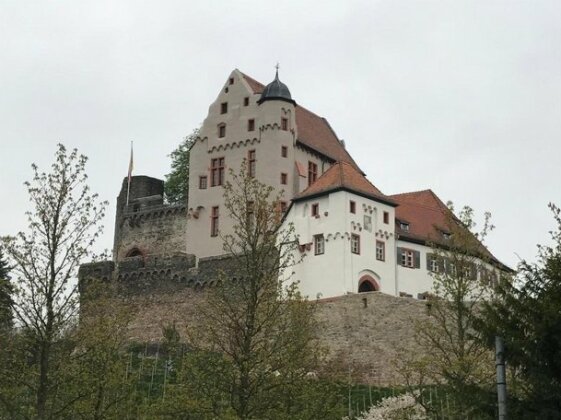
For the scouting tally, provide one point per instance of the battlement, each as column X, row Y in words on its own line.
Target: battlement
column 144, row 224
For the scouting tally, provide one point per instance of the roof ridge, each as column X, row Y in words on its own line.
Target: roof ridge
column 412, row 192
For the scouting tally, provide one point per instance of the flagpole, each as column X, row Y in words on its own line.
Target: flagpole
column 129, row 177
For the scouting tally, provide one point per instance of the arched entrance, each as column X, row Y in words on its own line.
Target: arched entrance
column 367, row 284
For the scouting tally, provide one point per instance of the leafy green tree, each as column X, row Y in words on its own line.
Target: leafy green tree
column 527, row 315
column 453, row 356
column 98, row 374
column 176, row 186
column 6, row 292
column 63, row 226
column 256, row 344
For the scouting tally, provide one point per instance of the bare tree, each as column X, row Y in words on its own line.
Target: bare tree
column 454, row 357
column 63, row 224
column 259, row 329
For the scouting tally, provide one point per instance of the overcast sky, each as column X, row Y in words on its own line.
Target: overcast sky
column 463, row 97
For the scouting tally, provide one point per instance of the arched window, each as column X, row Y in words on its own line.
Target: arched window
column 367, row 284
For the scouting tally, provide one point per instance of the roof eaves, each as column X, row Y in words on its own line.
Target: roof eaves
column 337, row 188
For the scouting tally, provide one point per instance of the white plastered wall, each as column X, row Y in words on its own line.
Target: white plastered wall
column 338, row 271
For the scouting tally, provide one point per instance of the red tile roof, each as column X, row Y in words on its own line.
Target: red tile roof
column 428, row 217
column 343, row 175
column 313, row 131
column 426, row 214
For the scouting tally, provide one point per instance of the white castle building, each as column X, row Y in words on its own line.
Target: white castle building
column 356, row 238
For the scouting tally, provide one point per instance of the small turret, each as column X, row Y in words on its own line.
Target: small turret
column 276, row 90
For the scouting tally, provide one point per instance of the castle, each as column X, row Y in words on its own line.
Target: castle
column 356, row 238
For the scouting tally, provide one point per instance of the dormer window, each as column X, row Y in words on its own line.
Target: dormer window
column 224, row 107
column 222, row 130
column 404, row 226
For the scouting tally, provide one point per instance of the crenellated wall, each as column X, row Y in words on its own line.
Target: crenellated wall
column 147, row 226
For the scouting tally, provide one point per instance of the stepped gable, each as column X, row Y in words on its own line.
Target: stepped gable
column 314, row 131
column 344, row 176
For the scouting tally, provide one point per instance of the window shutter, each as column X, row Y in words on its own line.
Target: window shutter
column 441, row 265
column 417, row 259
column 472, row 271
column 447, row 265
column 429, row 259
column 399, row 252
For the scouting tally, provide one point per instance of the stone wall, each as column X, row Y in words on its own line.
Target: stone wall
column 144, row 224
column 363, row 341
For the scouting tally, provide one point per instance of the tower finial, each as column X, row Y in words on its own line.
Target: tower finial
column 277, row 72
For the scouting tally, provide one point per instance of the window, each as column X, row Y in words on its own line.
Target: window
column 250, row 214
column 355, row 244
column 251, row 163
column 433, row 265
column 222, row 130
column 312, row 173
column 284, row 124
column 216, row 172
column 404, row 226
column 368, row 223
column 352, row 207
column 231, row 81
column 380, row 251
column 251, row 125
column 284, row 151
column 319, row 244
column 446, row 235
column 386, row 217
column 407, row 258
column 283, row 206
column 246, row 101
column 315, row 210
column 224, row 107
column 202, row 182
column 214, row 222
column 284, row 179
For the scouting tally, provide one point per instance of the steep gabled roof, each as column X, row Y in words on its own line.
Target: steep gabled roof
column 344, row 176
column 314, row 131
column 428, row 218
column 426, row 214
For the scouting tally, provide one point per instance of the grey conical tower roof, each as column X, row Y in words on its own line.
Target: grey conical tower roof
column 276, row 90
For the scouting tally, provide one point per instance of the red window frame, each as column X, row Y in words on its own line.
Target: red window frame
column 221, row 130
column 355, row 243
column 203, row 182
column 312, row 172
column 216, row 172
column 214, row 220
column 315, row 210
column 381, row 245
column 251, row 163
column 319, row 249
